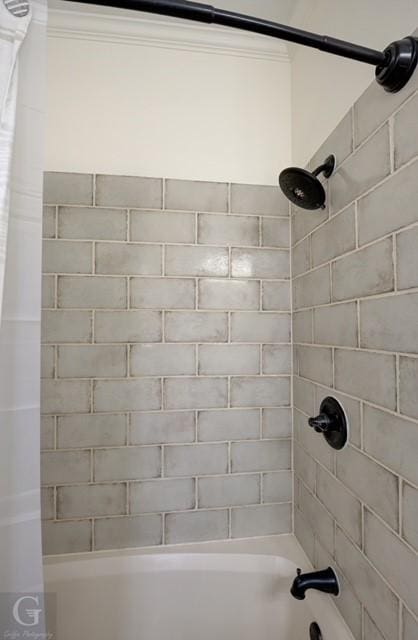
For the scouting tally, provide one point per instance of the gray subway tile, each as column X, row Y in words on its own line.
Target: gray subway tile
column 66, row 326
column 313, row 288
column 277, row 423
column 48, row 503
column 128, row 326
column 275, row 233
column 47, row 432
column 304, row 534
column 48, row 292
column 68, row 188
column 410, row 626
column 127, row 463
column 395, row 561
column 162, row 293
column 254, row 199
column 389, row 323
column 91, row 430
column 195, row 460
column 304, row 395
column 335, row 237
column 303, row 222
column 367, row 166
column 336, row 325
column 260, row 391
column 276, row 359
column 365, row 272
column 304, row 466
column 167, row 226
column 277, row 486
column 229, row 359
column 265, row 455
column 391, row 440
column 143, row 394
column 262, row 520
column 162, row 427
column 196, row 326
column 318, row 517
column 260, row 327
column 229, row 294
column 129, row 191
column 301, row 257
column 115, row 258
column 62, row 467
column 162, row 495
column 370, row 110
column 91, row 500
column 339, row 143
column 315, row 363
column 226, row 491
column 196, row 261
column 162, row 360
column 373, row 484
column 405, row 144
column 389, row 207
column 408, row 381
column 228, row 424
column 67, row 257
column 368, row 586
column 91, row 292
column 92, row 361
column 196, row 526
column 196, row 393
column 371, row 632
column 49, row 222
column 302, row 326
column 260, row 263
column 343, row 506
column 275, row 296
column 47, row 361
column 228, row 230
column 136, row 531
column 196, row 196
column 410, row 515
column 92, row 223
column 66, row 537
column 65, row 396
column 370, row 376
column 407, row 261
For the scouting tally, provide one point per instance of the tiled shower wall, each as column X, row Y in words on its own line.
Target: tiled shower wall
column 355, row 329
column 166, row 362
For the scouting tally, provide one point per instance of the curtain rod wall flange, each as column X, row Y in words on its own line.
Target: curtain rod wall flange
column 394, row 66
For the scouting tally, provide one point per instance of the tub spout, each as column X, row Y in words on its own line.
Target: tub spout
column 325, row 581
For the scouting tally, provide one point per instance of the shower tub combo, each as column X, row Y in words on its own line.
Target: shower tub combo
column 235, row 590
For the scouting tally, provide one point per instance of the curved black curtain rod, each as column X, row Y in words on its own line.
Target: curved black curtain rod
column 394, row 66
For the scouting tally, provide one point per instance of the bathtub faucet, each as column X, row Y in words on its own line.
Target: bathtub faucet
column 325, row 581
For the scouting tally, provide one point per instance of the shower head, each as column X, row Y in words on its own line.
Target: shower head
column 303, row 187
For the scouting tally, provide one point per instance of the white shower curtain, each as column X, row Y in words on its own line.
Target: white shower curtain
column 22, row 97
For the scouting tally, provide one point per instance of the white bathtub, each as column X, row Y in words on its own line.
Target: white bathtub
column 235, row 590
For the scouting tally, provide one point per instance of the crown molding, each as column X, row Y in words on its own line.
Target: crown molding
column 96, row 27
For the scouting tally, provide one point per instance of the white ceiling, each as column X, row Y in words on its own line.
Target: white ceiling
column 277, row 10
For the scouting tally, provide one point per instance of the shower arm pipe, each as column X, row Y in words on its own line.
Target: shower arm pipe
column 394, row 66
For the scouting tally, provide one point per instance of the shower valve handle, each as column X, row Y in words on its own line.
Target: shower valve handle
column 321, row 423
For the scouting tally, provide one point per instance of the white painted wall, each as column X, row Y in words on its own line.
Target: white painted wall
column 324, row 86
column 121, row 106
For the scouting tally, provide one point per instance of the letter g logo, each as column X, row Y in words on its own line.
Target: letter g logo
column 31, row 615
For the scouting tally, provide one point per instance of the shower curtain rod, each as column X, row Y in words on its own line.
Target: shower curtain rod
column 394, row 66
